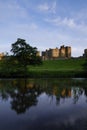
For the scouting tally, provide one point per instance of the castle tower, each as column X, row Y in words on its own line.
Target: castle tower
column 85, row 53
column 68, row 51
column 1, row 55
column 62, row 52
column 54, row 53
column 38, row 53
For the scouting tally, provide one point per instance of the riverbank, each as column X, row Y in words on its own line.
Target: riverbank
column 50, row 69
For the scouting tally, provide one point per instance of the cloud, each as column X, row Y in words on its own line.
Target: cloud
column 53, row 7
column 81, row 15
column 70, row 23
column 50, row 8
column 19, row 20
column 43, row 7
column 63, row 22
column 41, row 38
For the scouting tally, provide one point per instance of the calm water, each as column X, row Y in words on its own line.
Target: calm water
column 43, row 104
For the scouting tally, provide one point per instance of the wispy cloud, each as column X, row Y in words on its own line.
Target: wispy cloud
column 51, row 7
column 68, row 23
column 41, row 38
column 64, row 22
column 44, row 7
column 44, row 24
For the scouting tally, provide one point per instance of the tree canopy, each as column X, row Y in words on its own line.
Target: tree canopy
column 18, row 63
column 24, row 53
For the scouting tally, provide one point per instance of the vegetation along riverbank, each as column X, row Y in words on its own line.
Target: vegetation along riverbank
column 24, row 62
column 48, row 69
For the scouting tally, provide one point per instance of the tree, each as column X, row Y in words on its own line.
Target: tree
column 24, row 54
column 6, row 65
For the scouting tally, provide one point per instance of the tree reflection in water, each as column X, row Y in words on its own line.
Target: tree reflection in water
column 77, row 92
column 24, row 94
column 24, row 97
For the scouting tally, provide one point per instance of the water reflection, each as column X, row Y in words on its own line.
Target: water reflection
column 48, row 103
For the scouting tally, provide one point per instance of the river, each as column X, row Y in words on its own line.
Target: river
column 43, row 104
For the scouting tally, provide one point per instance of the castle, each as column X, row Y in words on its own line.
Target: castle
column 85, row 53
column 63, row 52
column 1, row 55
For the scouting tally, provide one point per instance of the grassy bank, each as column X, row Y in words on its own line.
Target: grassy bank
column 53, row 68
column 60, row 65
column 59, row 68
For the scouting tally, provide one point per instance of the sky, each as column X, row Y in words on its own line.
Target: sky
column 44, row 24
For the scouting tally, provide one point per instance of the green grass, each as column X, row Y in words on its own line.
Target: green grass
column 59, row 68
column 60, row 65
column 50, row 69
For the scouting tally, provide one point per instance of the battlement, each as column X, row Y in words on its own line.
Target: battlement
column 85, row 53
column 63, row 52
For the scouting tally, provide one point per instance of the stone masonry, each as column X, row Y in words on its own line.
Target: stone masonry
column 85, row 53
column 63, row 52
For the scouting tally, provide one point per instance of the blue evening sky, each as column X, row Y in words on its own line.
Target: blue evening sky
column 44, row 24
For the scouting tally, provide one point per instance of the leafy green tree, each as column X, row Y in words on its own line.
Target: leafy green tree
column 24, row 54
column 5, row 65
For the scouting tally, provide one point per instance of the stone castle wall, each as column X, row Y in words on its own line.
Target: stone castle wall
column 85, row 53
column 63, row 52
column 1, row 55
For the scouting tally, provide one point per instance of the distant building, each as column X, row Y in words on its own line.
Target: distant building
column 63, row 52
column 38, row 53
column 1, row 55
column 85, row 53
